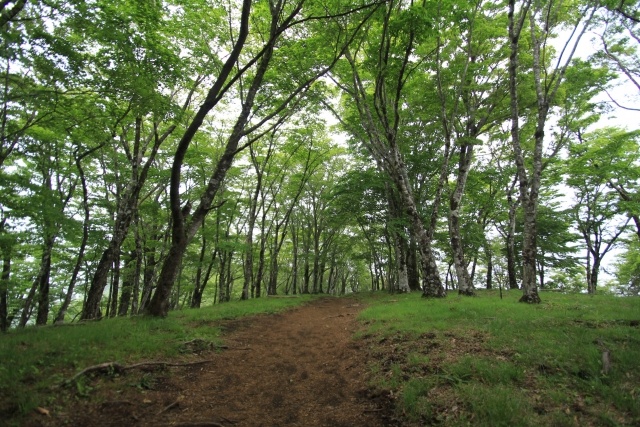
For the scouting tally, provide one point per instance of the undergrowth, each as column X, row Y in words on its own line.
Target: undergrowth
column 481, row 361
column 35, row 361
column 486, row 361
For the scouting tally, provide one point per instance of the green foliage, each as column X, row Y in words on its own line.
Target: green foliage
column 628, row 269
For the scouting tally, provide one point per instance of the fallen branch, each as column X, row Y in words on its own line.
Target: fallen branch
column 117, row 367
column 170, row 406
column 202, row 344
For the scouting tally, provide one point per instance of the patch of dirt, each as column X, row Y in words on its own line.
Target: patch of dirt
column 297, row 368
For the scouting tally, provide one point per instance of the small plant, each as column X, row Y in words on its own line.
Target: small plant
column 147, row 382
column 414, row 398
column 83, row 389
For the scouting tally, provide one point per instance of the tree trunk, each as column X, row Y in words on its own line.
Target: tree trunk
column 128, row 283
column 27, row 307
column 83, row 243
column 196, row 298
column 306, row 254
column 126, row 212
column 401, row 261
column 316, row 263
column 488, row 253
column 183, row 232
column 115, row 287
column 294, row 270
column 593, row 282
column 43, row 283
column 272, row 289
column 540, row 269
column 322, row 268
column 529, row 246
column 148, row 275
column 412, row 267
column 465, row 285
column 529, row 288
column 511, row 244
column 432, row 287
column 4, row 286
column 137, row 271
column 383, row 146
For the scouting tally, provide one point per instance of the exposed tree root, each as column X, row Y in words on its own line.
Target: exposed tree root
column 119, row 368
column 532, row 298
column 467, row 292
column 434, row 293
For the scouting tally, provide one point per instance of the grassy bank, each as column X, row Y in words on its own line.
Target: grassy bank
column 35, row 361
column 572, row 360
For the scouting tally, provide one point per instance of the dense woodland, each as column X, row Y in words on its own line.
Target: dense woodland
column 163, row 154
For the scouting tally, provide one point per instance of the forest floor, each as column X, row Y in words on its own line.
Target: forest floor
column 301, row 367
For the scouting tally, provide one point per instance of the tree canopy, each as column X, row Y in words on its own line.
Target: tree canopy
column 156, row 155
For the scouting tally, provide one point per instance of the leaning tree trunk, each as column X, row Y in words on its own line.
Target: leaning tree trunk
column 40, row 283
column 182, row 233
column 83, row 243
column 91, row 308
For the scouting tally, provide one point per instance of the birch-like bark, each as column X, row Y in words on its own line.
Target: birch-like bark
column 546, row 87
column 465, row 285
column 381, row 131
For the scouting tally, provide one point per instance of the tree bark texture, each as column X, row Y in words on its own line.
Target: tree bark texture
column 384, row 149
column 529, row 283
column 465, row 285
column 125, row 213
column 4, row 286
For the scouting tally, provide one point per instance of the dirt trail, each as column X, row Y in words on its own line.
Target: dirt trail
column 297, row 368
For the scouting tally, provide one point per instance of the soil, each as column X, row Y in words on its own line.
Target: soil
column 301, row 367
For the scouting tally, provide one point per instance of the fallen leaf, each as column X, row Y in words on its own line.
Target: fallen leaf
column 42, row 411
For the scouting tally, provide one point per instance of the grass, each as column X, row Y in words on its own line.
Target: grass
column 35, row 360
column 487, row 361
column 481, row 361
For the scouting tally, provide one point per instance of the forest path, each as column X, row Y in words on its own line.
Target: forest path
column 300, row 367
